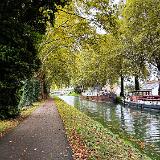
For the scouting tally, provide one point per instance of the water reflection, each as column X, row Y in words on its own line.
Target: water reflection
column 143, row 125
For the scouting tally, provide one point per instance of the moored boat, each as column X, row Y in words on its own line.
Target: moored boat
column 98, row 96
column 143, row 99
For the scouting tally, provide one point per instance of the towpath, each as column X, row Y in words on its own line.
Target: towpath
column 39, row 137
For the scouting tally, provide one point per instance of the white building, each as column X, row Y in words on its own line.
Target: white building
column 153, row 85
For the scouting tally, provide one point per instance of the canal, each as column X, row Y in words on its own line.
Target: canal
column 141, row 127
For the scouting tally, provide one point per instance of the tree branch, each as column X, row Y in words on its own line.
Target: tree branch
column 73, row 14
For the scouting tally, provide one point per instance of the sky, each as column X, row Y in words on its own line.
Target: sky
column 116, row 1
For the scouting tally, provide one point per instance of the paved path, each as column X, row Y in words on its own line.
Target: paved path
column 39, row 137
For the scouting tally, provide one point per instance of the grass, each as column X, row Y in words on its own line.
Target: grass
column 6, row 125
column 90, row 140
column 73, row 94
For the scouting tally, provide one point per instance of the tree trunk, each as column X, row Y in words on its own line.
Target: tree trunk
column 122, row 87
column 159, row 89
column 43, row 86
column 44, row 92
column 136, row 83
column 159, row 78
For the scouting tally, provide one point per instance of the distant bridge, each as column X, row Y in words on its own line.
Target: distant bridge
column 62, row 91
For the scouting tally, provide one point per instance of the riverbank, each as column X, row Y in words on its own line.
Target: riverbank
column 7, row 125
column 90, row 140
column 74, row 94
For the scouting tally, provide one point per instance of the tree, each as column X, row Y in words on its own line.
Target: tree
column 22, row 24
column 107, row 16
column 18, row 62
column 142, row 20
column 61, row 44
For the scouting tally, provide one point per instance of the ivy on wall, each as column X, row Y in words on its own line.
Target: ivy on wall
column 30, row 92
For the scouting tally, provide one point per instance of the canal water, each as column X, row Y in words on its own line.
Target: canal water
column 142, row 127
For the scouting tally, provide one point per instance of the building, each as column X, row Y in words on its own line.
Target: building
column 154, row 86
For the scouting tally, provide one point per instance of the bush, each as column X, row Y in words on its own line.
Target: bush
column 118, row 99
column 9, row 102
column 78, row 89
column 9, row 112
